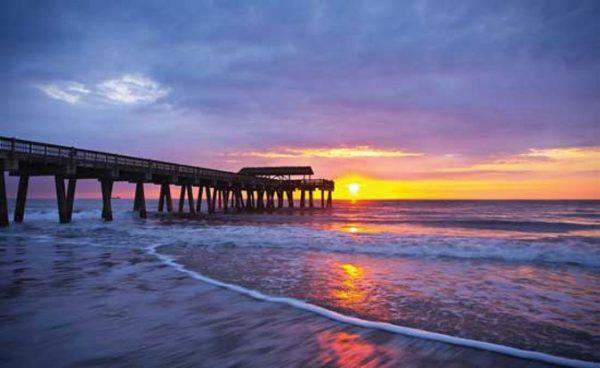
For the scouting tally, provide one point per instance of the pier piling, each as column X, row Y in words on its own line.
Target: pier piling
column 139, row 203
column 21, row 198
column 107, row 187
column 3, row 202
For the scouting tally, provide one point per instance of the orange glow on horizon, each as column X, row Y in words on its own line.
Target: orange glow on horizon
column 370, row 173
column 468, row 188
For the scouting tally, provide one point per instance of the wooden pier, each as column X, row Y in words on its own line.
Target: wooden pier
column 251, row 189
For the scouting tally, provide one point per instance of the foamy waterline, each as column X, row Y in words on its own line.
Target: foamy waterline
column 569, row 251
column 384, row 326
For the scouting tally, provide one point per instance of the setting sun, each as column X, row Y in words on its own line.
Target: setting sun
column 353, row 188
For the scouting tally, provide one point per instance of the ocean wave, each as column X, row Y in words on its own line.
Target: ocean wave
column 384, row 326
column 565, row 250
column 509, row 225
column 51, row 214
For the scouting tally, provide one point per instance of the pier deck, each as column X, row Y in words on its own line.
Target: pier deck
column 226, row 191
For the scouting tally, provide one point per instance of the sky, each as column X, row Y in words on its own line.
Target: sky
column 408, row 99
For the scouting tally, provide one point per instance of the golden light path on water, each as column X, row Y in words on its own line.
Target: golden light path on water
column 475, row 270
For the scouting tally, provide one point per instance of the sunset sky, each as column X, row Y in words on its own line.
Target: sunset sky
column 415, row 99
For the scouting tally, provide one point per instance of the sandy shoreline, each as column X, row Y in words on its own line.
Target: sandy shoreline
column 69, row 305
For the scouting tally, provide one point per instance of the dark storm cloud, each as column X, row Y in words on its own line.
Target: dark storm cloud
column 437, row 77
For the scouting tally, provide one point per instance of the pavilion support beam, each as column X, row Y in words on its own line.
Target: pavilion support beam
column 290, row 195
column 225, row 201
column 219, row 199
column 302, row 198
column 238, row 200
column 322, row 198
column 232, row 198
column 329, row 202
column 248, row 199
column 271, row 199
column 310, row 199
column 280, row 199
column 260, row 204
column 21, row 198
column 3, row 202
column 107, row 187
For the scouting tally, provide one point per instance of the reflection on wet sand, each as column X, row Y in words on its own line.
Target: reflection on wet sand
column 472, row 301
column 98, row 320
column 343, row 349
column 349, row 292
column 352, row 287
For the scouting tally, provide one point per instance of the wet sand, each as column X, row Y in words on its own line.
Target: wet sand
column 82, row 306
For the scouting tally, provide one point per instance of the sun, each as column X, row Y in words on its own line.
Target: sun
column 353, row 188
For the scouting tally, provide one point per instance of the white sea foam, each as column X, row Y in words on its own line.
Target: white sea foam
column 565, row 251
column 384, row 326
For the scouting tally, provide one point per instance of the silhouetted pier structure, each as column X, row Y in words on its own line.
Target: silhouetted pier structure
column 251, row 189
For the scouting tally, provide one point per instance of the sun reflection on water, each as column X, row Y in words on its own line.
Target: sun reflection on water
column 350, row 294
column 343, row 349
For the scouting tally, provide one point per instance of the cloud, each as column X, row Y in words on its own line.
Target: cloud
column 70, row 92
column 564, row 153
column 128, row 89
column 509, row 76
column 131, row 89
column 554, row 160
column 342, row 152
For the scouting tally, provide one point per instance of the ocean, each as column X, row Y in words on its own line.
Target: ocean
column 368, row 283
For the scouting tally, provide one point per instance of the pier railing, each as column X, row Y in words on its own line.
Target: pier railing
column 36, row 150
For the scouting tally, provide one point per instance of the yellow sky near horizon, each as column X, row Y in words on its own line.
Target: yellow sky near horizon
column 366, row 173
column 569, row 173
